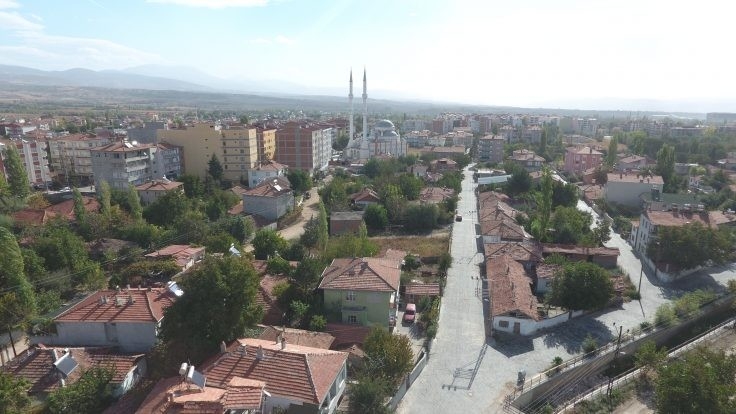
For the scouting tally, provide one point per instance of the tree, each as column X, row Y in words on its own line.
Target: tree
column 17, row 178
column 300, row 180
column 581, row 286
column 13, row 393
column 341, row 142
column 388, row 356
column 666, row 168
column 218, row 305
column 214, row 168
column 166, row 209
column 375, row 217
column 544, row 206
column 368, row 396
column 410, row 186
column 564, row 194
column 570, row 225
column 520, row 181
column 104, row 196
column 193, row 186
column 4, row 188
column 648, row 357
column 421, row 217
column 17, row 301
column 134, row 201
column 90, row 394
column 267, row 243
column 600, row 235
column 394, row 203
column 612, row 151
column 80, row 213
column 702, row 381
column 691, row 245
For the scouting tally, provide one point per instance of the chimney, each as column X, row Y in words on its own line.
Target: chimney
column 223, row 347
column 130, row 299
column 259, row 352
column 283, row 343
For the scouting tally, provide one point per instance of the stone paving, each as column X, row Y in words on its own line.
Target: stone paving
column 467, row 372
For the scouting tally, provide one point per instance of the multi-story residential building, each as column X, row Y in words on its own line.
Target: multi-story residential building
column 264, row 171
column 303, row 146
column 270, row 199
column 720, row 118
column 124, row 163
column 197, row 142
column 266, row 141
column 414, row 125
column 418, row 139
column 11, row 130
column 532, row 134
column 146, row 133
column 33, row 155
column 490, row 148
column 527, row 159
column 171, row 156
column 579, row 159
column 508, row 133
column 70, row 159
column 627, row 188
column 585, row 126
column 239, row 151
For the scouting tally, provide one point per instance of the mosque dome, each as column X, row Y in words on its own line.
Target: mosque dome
column 385, row 124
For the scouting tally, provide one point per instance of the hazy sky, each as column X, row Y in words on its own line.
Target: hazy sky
column 492, row 52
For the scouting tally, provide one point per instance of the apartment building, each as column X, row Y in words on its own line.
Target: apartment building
column 124, row 163
column 33, row 155
column 239, row 151
column 490, row 148
column 581, row 158
column 303, row 145
column 266, row 141
column 198, row 142
column 70, row 157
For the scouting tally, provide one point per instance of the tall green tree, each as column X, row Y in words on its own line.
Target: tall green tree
column 666, row 168
column 218, row 305
column 214, row 168
column 368, row 396
column 193, row 186
column 104, row 196
column 375, row 217
column 4, row 188
column 410, row 186
column 581, row 286
column 17, row 178
column 612, row 151
column 80, row 213
column 520, row 181
column 300, row 180
column 544, row 206
column 691, row 245
column 17, row 300
column 134, row 202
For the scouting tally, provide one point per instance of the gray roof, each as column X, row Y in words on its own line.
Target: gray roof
column 346, row 215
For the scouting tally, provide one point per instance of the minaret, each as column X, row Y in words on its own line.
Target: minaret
column 352, row 116
column 365, row 109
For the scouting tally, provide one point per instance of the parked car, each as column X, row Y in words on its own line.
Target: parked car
column 410, row 314
column 458, row 218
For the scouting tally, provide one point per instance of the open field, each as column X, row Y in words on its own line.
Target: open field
column 419, row 245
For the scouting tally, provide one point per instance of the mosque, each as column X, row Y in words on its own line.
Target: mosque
column 382, row 140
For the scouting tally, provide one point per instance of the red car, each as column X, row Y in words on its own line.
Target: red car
column 410, row 314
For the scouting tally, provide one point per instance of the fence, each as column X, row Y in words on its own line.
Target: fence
column 408, row 381
column 633, row 373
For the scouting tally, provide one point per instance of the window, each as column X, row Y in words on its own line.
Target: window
column 503, row 324
column 350, row 296
column 352, row 319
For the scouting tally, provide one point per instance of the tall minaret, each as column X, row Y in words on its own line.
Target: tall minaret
column 365, row 108
column 350, row 99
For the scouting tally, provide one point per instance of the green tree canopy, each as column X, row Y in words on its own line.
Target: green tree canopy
column 300, row 180
column 214, row 168
column 388, row 356
column 90, row 394
column 368, row 396
column 581, row 286
column 267, row 243
column 80, row 213
column 218, row 305
column 702, row 381
column 375, row 217
column 691, row 245
column 520, row 181
column 13, row 394
column 134, row 202
column 17, row 300
column 410, row 186
column 105, row 197
column 570, row 225
column 17, row 178
column 166, row 209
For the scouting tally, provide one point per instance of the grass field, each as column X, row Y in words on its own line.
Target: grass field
column 422, row 246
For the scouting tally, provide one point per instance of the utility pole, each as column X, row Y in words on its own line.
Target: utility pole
column 613, row 364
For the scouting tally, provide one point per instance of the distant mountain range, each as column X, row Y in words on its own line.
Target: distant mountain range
column 273, row 94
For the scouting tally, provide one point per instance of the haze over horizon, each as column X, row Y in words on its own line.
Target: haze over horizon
column 584, row 54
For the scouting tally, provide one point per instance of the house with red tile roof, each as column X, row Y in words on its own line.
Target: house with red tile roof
column 435, row 195
column 365, row 197
column 512, row 303
column 126, row 318
column 63, row 210
column 266, row 170
column 184, row 255
column 270, row 199
column 151, row 191
column 174, row 396
column 49, row 368
column 301, row 337
column 298, row 378
column 363, row 291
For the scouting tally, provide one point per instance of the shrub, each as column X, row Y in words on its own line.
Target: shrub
column 279, row 289
column 432, row 331
column 317, row 323
column 590, row 344
column 665, row 316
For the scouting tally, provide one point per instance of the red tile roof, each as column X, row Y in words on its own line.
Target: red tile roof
column 547, row 271
column 347, row 335
column 521, row 252
column 36, row 365
column 507, row 230
column 159, row 185
column 271, row 166
column 171, row 395
column 435, row 195
column 550, row 248
column 181, row 253
column 510, row 288
column 301, row 337
column 295, row 372
column 272, row 187
column 365, row 195
column 680, row 218
column 366, row 273
column 122, row 147
column 113, row 306
column 65, row 210
column 423, row 289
